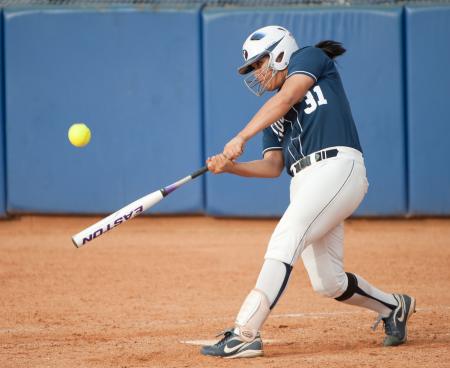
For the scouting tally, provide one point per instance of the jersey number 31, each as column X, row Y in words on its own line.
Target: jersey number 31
column 310, row 101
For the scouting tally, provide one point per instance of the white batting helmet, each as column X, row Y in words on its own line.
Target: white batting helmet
column 275, row 41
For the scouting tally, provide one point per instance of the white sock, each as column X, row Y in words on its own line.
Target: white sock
column 359, row 292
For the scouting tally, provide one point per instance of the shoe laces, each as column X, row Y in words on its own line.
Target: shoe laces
column 377, row 322
column 227, row 334
column 388, row 328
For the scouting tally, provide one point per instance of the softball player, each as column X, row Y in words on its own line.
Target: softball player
column 307, row 128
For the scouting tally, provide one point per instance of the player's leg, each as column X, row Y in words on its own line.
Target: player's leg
column 321, row 197
column 244, row 339
column 271, row 283
column 323, row 261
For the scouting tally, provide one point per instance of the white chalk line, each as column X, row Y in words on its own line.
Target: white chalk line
column 340, row 313
column 151, row 323
column 303, row 315
column 331, row 314
column 316, row 315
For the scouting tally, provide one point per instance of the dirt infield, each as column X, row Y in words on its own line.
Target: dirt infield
column 135, row 296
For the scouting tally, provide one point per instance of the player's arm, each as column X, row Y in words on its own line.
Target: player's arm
column 270, row 166
column 292, row 91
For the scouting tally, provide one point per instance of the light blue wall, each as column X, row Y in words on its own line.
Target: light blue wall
column 2, row 129
column 160, row 91
column 133, row 76
column 428, row 65
column 372, row 75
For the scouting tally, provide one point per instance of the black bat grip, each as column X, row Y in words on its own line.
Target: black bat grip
column 199, row 172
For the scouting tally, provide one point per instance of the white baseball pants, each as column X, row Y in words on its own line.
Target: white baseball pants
column 322, row 196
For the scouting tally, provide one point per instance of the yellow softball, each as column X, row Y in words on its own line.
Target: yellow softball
column 79, row 134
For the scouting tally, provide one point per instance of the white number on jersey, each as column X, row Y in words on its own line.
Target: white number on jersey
column 311, row 102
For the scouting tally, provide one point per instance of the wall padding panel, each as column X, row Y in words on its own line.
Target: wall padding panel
column 428, row 62
column 372, row 74
column 133, row 76
column 2, row 130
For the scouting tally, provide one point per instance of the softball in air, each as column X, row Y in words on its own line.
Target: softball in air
column 79, row 134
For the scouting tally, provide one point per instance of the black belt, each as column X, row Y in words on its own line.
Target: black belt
column 312, row 158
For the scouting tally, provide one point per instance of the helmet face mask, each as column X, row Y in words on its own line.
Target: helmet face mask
column 254, row 82
column 274, row 41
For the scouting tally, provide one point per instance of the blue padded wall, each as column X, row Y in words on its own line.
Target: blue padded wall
column 372, row 74
column 133, row 76
column 428, row 62
column 2, row 130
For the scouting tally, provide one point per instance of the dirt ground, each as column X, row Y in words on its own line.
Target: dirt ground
column 144, row 294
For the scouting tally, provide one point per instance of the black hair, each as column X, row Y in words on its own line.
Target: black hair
column 332, row 48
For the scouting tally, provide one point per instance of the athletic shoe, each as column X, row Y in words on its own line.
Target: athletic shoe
column 395, row 325
column 232, row 346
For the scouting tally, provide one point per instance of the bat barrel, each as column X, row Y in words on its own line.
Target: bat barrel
column 130, row 211
column 117, row 218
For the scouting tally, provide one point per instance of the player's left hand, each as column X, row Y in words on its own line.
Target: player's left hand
column 219, row 164
column 234, row 148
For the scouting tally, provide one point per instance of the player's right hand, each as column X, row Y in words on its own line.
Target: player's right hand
column 219, row 164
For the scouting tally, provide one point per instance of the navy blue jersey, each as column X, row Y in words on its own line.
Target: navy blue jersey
column 321, row 119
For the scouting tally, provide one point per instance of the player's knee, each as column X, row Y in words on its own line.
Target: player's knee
column 287, row 243
column 330, row 287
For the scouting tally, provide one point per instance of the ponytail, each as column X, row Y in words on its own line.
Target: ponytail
column 332, row 48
